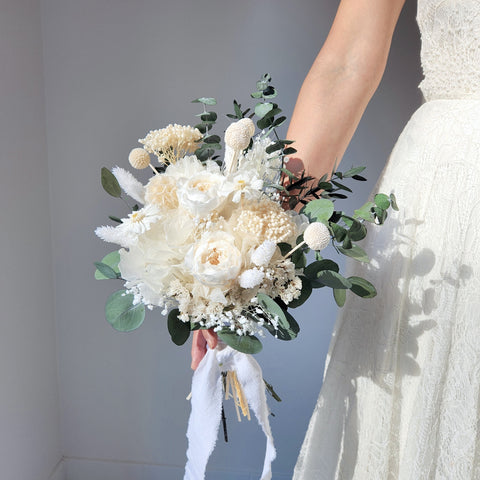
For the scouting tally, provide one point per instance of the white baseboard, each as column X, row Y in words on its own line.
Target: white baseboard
column 90, row 469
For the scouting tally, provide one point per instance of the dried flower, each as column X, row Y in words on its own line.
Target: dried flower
column 161, row 190
column 172, row 142
column 139, row 158
column 317, row 236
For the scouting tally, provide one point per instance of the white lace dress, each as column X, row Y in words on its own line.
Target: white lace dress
column 401, row 392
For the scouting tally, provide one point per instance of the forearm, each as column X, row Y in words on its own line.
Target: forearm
column 339, row 86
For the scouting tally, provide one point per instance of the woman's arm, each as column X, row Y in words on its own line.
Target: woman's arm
column 341, row 82
column 334, row 96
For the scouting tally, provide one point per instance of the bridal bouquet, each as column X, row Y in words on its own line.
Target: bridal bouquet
column 210, row 242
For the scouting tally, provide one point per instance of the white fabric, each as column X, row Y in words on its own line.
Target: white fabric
column 401, row 392
column 207, row 391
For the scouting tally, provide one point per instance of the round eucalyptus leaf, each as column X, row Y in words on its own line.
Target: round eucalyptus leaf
column 393, row 201
column 110, row 183
column 178, row 330
column 362, row 288
column 382, row 201
column 261, row 109
column 355, row 252
column 242, row 343
column 319, row 210
column 104, row 270
column 332, row 279
column 121, row 314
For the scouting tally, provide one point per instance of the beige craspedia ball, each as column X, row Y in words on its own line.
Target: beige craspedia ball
column 139, row 158
column 238, row 134
column 317, row 236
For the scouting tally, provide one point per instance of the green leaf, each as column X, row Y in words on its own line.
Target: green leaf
column 256, row 94
column 341, row 186
column 284, row 248
column 365, row 212
column 314, row 268
column 115, row 219
column 359, row 177
column 111, row 260
column 261, row 109
column 353, row 171
column 208, row 116
column 338, row 231
column 347, row 243
column 393, row 200
column 238, row 110
column 242, row 343
column 304, row 294
column 178, row 330
column 318, row 210
column 287, row 326
column 289, row 150
column 299, row 259
column 340, row 295
column 279, row 121
column 355, row 252
column 205, row 101
column 105, row 270
column 382, row 201
column 357, row 231
column 362, row 288
column 271, row 391
column 269, row 92
column 274, row 147
column 381, row 214
column 332, row 279
column 110, row 183
column 121, row 314
column 212, row 139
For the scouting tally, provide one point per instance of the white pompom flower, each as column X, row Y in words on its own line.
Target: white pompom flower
column 251, row 278
column 317, row 236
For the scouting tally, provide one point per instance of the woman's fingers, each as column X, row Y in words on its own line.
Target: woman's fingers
column 199, row 345
column 211, row 338
column 199, row 348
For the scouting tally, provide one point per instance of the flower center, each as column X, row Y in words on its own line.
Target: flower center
column 201, row 185
column 213, row 257
column 137, row 216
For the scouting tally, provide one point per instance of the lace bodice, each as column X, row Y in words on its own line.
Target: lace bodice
column 450, row 48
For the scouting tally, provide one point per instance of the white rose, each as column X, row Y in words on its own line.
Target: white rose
column 200, row 193
column 215, row 259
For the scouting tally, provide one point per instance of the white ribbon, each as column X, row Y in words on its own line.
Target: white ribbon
column 207, row 392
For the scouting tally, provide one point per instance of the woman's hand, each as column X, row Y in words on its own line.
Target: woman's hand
column 199, row 345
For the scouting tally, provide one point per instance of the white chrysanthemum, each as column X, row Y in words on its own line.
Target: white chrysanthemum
column 317, row 236
column 139, row 158
column 243, row 184
column 126, row 234
column 251, row 278
column 172, row 142
column 129, row 184
column 262, row 255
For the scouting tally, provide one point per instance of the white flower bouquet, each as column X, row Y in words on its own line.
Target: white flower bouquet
column 211, row 244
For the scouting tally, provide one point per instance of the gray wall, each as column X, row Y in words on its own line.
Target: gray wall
column 29, row 409
column 114, row 70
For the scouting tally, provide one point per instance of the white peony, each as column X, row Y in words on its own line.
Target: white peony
column 243, row 184
column 214, row 260
column 200, row 194
column 185, row 167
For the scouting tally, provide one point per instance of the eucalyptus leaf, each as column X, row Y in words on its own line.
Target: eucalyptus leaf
column 340, row 296
column 299, row 259
column 111, row 260
column 110, row 183
column 393, row 201
column 243, row 343
column 353, row 171
column 212, row 139
column 359, row 177
column 314, row 268
column 287, row 327
column 105, row 270
column 341, row 186
column 179, row 331
column 205, row 100
column 289, row 150
column 122, row 314
column 318, row 210
column 382, row 201
column 115, row 219
column 355, row 252
column 362, row 288
column 261, row 109
column 338, row 231
column 365, row 212
column 332, row 279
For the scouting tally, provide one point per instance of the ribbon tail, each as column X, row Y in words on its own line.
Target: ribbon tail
column 250, row 377
column 205, row 416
